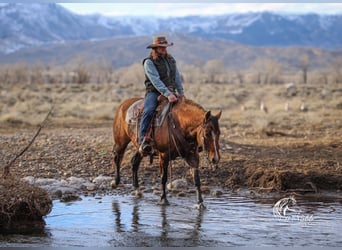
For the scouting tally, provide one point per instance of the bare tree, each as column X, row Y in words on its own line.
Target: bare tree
column 267, row 71
column 191, row 73
column 6, row 169
column 240, row 77
column 19, row 73
column 337, row 69
column 133, row 75
column 104, row 71
column 214, row 68
column 37, row 74
column 304, row 64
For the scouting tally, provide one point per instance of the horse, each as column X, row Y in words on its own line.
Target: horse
column 186, row 130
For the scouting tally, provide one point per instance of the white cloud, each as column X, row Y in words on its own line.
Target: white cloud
column 184, row 9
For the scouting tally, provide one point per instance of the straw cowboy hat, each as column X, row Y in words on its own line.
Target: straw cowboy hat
column 159, row 41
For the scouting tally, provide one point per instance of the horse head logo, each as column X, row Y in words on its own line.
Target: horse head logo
column 283, row 206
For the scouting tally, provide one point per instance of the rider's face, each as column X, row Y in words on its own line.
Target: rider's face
column 162, row 51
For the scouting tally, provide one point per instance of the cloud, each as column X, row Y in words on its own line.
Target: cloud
column 185, row 9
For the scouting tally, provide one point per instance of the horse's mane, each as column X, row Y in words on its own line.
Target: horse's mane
column 192, row 113
column 192, row 103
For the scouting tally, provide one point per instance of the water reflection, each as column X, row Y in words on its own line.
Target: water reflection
column 135, row 217
column 165, row 224
column 117, row 212
column 120, row 225
column 162, row 225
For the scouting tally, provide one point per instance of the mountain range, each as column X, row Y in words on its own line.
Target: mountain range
column 32, row 28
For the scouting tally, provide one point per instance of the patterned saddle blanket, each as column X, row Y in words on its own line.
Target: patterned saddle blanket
column 135, row 111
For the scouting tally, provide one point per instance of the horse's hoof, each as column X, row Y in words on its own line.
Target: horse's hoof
column 163, row 202
column 114, row 185
column 137, row 194
column 200, row 206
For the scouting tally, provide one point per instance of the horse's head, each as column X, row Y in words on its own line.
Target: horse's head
column 208, row 136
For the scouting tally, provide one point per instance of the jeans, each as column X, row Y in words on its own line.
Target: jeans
column 150, row 106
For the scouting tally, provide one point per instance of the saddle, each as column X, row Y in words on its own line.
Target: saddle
column 135, row 111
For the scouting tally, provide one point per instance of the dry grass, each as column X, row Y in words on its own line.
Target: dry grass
column 86, row 103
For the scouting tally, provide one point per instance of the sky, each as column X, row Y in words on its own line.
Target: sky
column 185, row 9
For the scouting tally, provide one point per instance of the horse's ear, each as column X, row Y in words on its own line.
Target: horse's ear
column 207, row 116
column 218, row 116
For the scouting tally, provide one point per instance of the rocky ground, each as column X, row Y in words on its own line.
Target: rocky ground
column 81, row 154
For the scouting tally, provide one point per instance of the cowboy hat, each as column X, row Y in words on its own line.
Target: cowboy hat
column 159, row 41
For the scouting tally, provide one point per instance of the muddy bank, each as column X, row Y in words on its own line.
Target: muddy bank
column 301, row 167
column 22, row 206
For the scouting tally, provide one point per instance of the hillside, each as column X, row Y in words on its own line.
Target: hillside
column 187, row 49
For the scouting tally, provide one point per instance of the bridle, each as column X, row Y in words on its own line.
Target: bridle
column 204, row 132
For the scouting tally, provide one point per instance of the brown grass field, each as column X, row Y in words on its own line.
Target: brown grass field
column 283, row 149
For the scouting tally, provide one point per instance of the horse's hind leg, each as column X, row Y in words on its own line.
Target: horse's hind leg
column 163, row 164
column 118, row 153
column 136, row 159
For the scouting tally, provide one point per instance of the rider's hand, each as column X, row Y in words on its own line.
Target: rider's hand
column 172, row 98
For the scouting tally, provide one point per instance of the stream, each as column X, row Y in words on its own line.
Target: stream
column 232, row 219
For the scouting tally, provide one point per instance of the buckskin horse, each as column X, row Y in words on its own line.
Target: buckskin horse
column 186, row 130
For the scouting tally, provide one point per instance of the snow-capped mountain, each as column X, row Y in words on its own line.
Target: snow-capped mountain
column 24, row 25
column 31, row 24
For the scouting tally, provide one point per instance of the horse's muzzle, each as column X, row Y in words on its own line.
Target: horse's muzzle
column 215, row 160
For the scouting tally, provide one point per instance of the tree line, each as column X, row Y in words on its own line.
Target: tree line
column 262, row 71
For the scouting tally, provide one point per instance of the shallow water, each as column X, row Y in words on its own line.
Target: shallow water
column 230, row 220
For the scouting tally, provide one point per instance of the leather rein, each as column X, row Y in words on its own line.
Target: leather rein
column 201, row 139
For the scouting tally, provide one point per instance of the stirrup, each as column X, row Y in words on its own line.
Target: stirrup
column 145, row 148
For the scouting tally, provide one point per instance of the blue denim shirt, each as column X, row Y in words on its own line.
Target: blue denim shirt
column 153, row 75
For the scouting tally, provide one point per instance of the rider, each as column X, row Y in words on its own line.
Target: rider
column 161, row 78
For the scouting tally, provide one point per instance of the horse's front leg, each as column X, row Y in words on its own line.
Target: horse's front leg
column 163, row 164
column 193, row 162
column 136, row 159
column 197, row 182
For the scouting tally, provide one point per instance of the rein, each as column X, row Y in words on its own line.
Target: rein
column 171, row 134
column 169, row 116
column 171, row 125
column 175, row 136
column 182, row 146
column 202, row 139
column 181, row 141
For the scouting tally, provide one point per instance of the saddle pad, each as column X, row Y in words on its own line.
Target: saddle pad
column 134, row 111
